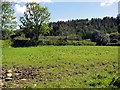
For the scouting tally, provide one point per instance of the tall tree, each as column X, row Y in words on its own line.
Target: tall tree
column 100, row 38
column 34, row 20
column 8, row 21
column 118, row 22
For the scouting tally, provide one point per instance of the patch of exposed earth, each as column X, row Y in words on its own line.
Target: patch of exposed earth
column 16, row 76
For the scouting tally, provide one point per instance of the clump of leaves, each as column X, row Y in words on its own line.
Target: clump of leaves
column 115, row 82
column 94, row 83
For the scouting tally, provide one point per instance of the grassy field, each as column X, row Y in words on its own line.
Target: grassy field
column 60, row 66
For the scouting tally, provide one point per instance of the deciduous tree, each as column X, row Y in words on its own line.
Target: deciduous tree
column 8, row 21
column 35, row 20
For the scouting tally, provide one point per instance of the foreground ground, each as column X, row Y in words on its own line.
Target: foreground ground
column 60, row 66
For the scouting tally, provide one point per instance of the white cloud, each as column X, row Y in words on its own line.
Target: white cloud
column 18, row 1
column 19, row 10
column 63, row 20
column 108, row 2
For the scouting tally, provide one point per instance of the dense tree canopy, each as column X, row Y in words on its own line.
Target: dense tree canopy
column 84, row 28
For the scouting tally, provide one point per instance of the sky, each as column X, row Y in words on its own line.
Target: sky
column 63, row 10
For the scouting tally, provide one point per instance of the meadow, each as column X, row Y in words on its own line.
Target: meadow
column 60, row 66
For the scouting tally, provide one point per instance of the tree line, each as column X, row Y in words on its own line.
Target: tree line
column 35, row 27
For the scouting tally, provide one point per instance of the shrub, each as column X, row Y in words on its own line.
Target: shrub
column 114, row 40
column 5, row 43
column 113, row 44
column 83, row 43
column 114, row 36
column 24, row 43
column 100, row 38
column 115, row 82
column 60, row 42
column 46, row 42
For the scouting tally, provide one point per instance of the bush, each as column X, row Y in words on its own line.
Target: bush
column 113, row 44
column 100, row 38
column 114, row 36
column 73, row 37
column 114, row 40
column 5, row 43
column 84, row 43
column 60, row 42
column 46, row 42
column 115, row 82
column 24, row 43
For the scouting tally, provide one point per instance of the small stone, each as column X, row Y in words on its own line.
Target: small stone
column 9, row 71
column 9, row 74
column 23, row 79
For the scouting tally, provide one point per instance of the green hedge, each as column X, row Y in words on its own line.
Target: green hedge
column 24, row 43
column 59, row 42
column 83, row 43
column 114, row 44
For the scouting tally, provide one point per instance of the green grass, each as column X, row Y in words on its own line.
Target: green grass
column 36, row 56
column 66, row 66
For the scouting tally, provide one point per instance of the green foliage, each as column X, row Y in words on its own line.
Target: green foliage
column 100, row 38
column 21, row 38
column 115, row 83
column 6, row 34
column 5, row 43
column 45, row 29
column 24, row 43
column 60, row 42
column 34, row 22
column 83, row 28
column 114, row 37
column 21, row 42
column 113, row 44
column 8, row 21
column 75, row 32
column 83, row 43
